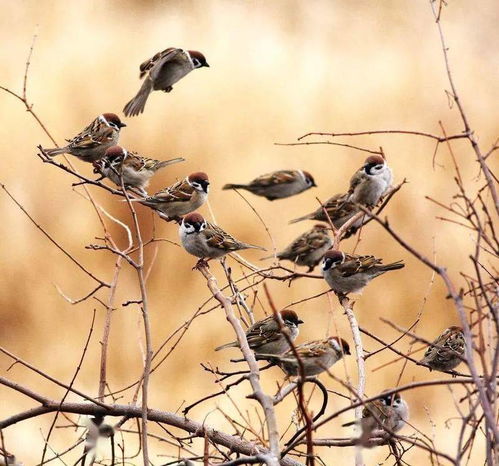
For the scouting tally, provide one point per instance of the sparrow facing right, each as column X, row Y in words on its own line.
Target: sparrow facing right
column 91, row 144
column 308, row 249
column 349, row 273
column 316, row 356
column 277, row 185
column 135, row 170
column 449, row 351
column 265, row 336
column 206, row 240
column 181, row 198
column 162, row 71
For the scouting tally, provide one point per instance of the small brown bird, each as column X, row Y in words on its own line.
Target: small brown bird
column 135, row 170
column 278, row 185
column 448, row 352
column 181, row 198
column 338, row 208
column 91, row 144
column 206, row 240
column 349, row 273
column 161, row 72
column 316, row 356
column 389, row 413
column 308, row 249
column 265, row 336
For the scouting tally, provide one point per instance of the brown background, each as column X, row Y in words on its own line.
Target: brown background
column 278, row 69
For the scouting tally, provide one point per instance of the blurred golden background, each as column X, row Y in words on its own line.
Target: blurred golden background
column 278, row 70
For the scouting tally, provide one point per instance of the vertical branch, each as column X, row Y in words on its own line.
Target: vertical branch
column 272, row 459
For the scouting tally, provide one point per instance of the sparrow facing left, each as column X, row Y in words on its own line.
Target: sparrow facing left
column 206, row 240
column 309, row 248
column 449, row 351
column 316, row 356
column 371, row 182
column 278, row 185
column 162, row 71
column 349, row 273
column 135, row 170
column 91, row 144
column 265, row 336
column 181, row 198
column 387, row 414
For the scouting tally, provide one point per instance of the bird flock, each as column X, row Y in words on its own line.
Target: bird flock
column 344, row 273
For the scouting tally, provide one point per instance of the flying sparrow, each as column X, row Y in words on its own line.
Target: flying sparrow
column 448, row 352
column 349, row 273
column 207, row 241
column 316, row 356
column 386, row 414
column 181, row 198
column 162, row 71
column 135, row 170
column 278, row 185
column 371, row 182
column 308, row 249
column 339, row 210
column 265, row 336
column 91, row 144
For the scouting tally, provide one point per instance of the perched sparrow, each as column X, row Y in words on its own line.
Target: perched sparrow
column 91, row 144
column 388, row 413
column 135, row 170
column 349, row 273
column 448, row 352
column 265, row 336
column 309, row 248
column 338, row 208
column 278, row 185
column 163, row 71
column 181, row 198
column 208, row 241
column 316, row 356
column 371, row 182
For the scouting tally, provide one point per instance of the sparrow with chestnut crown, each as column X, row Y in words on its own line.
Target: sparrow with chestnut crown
column 447, row 350
column 278, row 185
column 265, row 336
column 135, row 170
column 161, row 72
column 91, row 144
column 349, row 273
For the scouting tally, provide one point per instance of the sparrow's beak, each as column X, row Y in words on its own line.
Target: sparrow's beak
column 206, row 65
column 122, row 125
column 300, row 322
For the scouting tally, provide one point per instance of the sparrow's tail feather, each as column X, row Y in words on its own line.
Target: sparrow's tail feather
column 393, row 266
column 165, row 163
column 235, row 186
column 137, row 104
column 55, row 151
column 227, row 345
column 299, row 219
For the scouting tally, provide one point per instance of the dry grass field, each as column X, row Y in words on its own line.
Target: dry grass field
column 277, row 70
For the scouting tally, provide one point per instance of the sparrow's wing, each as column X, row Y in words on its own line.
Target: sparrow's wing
column 159, row 59
column 309, row 241
column 275, row 178
column 263, row 331
column 448, row 347
column 94, row 135
column 312, row 349
column 357, row 264
column 179, row 192
column 220, row 239
column 356, row 179
column 135, row 161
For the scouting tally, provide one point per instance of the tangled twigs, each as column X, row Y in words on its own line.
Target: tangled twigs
column 254, row 378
